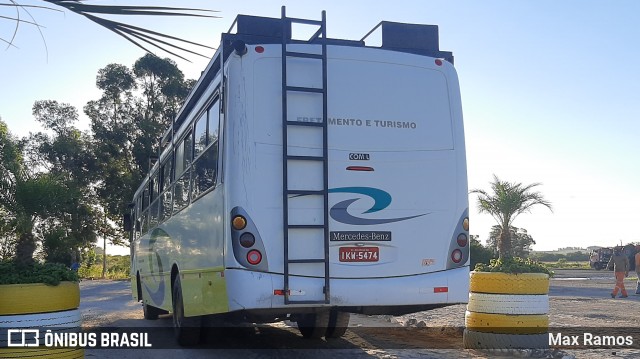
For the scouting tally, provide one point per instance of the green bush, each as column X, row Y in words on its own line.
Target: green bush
column 48, row 273
column 513, row 265
column 118, row 267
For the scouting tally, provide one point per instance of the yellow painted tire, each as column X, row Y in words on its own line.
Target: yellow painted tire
column 505, row 283
column 38, row 298
column 506, row 324
column 42, row 353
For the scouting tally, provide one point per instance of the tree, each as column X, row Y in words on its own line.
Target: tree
column 50, row 200
column 506, row 201
column 521, row 241
column 127, row 126
column 26, row 198
column 479, row 253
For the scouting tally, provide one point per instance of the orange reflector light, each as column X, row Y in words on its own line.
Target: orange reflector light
column 238, row 223
column 440, row 289
column 465, row 224
column 360, row 168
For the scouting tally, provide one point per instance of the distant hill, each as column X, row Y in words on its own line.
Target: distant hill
column 568, row 250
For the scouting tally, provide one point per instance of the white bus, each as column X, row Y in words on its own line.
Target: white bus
column 306, row 179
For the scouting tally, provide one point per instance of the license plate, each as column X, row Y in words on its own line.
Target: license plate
column 359, row 254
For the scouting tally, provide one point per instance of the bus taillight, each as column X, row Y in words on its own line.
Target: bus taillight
column 254, row 257
column 462, row 240
column 247, row 240
column 456, row 256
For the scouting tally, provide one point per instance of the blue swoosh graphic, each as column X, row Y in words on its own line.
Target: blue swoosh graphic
column 381, row 199
column 339, row 213
column 157, row 295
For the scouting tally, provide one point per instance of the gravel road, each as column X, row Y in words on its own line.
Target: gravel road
column 578, row 298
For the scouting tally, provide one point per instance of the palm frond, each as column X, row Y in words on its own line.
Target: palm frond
column 150, row 37
column 18, row 20
column 134, row 34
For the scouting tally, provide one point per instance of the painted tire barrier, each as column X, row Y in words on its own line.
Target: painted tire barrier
column 507, row 323
column 38, row 298
column 57, row 322
column 43, row 307
column 507, row 311
column 505, row 283
column 41, row 352
column 508, row 304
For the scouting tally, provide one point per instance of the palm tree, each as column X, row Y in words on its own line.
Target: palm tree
column 25, row 198
column 504, row 204
column 20, row 14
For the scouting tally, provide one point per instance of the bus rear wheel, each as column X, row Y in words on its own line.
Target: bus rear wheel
column 313, row 326
column 186, row 329
column 150, row 313
column 338, row 323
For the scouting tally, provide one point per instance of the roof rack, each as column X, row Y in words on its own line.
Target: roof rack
column 409, row 38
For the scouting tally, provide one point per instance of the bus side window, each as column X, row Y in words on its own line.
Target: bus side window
column 200, row 135
column 145, row 211
column 138, row 218
column 182, row 172
column 165, row 201
column 214, row 117
column 203, row 176
column 204, row 171
column 153, row 210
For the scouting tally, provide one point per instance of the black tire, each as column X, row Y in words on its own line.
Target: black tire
column 150, row 313
column 313, row 326
column 479, row 340
column 186, row 329
column 338, row 324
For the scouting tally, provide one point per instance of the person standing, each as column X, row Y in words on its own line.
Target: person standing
column 638, row 271
column 620, row 265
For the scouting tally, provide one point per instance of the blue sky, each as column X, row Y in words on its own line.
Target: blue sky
column 549, row 90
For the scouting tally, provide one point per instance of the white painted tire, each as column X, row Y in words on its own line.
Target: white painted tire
column 58, row 322
column 508, row 303
column 67, row 318
column 479, row 340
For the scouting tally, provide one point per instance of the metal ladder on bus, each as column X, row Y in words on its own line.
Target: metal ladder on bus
column 291, row 160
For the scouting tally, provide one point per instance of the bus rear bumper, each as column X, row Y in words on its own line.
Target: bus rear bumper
column 254, row 290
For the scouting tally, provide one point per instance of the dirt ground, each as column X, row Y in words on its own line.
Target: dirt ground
column 578, row 298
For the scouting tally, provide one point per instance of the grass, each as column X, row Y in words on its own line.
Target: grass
column 562, row 264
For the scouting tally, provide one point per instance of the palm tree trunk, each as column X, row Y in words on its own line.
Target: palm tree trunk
column 504, row 245
column 25, row 247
